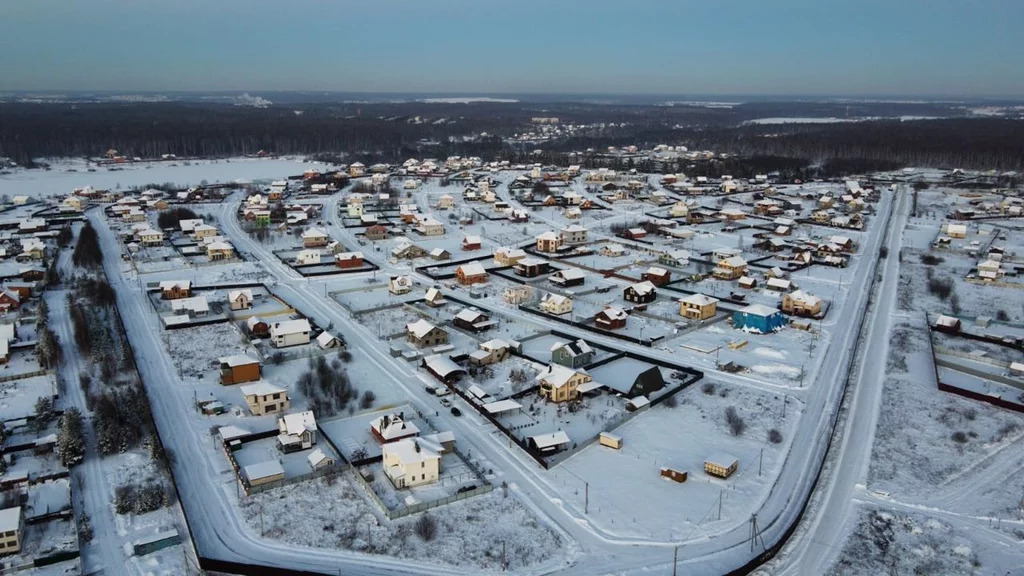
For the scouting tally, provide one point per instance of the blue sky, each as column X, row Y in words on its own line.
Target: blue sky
column 808, row 47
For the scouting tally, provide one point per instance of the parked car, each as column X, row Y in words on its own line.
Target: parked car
column 466, row 488
column 430, row 390
column 446, row 403
column 456, row 411
column 442, row 391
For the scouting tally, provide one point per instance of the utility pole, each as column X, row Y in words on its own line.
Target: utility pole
column 720, row 493
column 760, row 461
column 675, row 561
column 586, row 497
column 262, row 533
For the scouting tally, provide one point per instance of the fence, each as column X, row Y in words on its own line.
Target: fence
column 23, row 375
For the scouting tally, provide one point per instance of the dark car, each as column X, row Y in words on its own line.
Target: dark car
column 456, row 411
column 466, row 488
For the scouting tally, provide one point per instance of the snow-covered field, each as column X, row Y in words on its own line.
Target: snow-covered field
column 471, row 534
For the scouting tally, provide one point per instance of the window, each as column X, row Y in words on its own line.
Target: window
column 270, row 408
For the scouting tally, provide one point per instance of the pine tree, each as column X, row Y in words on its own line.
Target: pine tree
column 70, row 444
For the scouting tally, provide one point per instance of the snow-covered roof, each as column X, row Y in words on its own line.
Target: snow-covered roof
column 643, row 288
column 502, row 406
column 469, row 315
column 263, row 470
column 260, row 388
column 410, row 451
column 734, row 261
column 237, row 360
column 722, row 459
column 290, row 327
column 174, row 284
column 298, row 422
column 758, row 310
column 614, row 313
column 235, row 294
column 656, row 271
column 556, row 374
column 547, row 236
column 196, row 304
column 471, row 240
column 805, row 297
column 550, row 439
column 442, row 365
column 948, row 321
column 570, row 274
column 393, row 426
column 10, row 519
column 325, row 339
column 314, row 233
column 554, row 299
column 419, row 328
column 779, row 284
column 434, row 295
column 699, row 299
column 228, row 433
column 472, row 269
column 574, row 347
column 316, row 457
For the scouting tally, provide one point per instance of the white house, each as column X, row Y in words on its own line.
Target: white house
column 290, row 333
column 308, row 256
column 240, row 299
column 327, row 340
column 411, row 462
column 296, row 431
column 556, row 304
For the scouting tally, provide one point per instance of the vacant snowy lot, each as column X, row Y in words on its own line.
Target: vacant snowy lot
column 470, row 534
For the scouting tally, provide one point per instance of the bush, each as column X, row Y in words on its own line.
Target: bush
column 941, row 287
column 931, row 260
column 774, row 436
column 87, row 252
column 959, row 437
column 735, row 421
column 172, row 218
column 277, row 358
column 367, row 399
column 670, row 401
column 883, row 252
column 708, row 388
column 426, row 527
column 1002, row 316
column 139, row 499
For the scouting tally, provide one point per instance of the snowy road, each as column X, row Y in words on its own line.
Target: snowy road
column 828, row 518
column 221, row 533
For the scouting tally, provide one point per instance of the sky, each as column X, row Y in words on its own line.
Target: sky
column 941, row 48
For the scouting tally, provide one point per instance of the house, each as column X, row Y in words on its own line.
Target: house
column 778, row 284
column 746, row 282
column 470, row 273
column 490, row 352
column 32, row 249
column 574, row 234
column 263, row 473
column 348, row 260
column 800, row 303
column 392, row 427
column 399, row 285
column 611, row 318
column 549, row 242
column 471, row 243
column 308, row 257
column 613, row 250
column 506, row 256
column 573, row 354
column 319, row 460
column 265, row 398
column 174, row 289
column 721, row 465
column 640, row 293
column 679, row 210
column 203, row 231
column 643, row 384
column 314, row 238
column 296, row 431
column 518, row 294
column 194, row 306
column 949, row 324
column 423, row 334
column 531, row 267
column 958, row 231
column 12, row 526
column 473, row 320
column 555, row 304
column 238, row 368
column 290, row 333
column 758, row 318
column 257, row 328
column 568, row 277
column 677, row 258
column 440, row 254
column 408, row 251
column 730, row 268
column 434, row 298
column 9, row 300
column 698, row 307
column 376, row 232
column 356, row 169
column 150, row 237
column 430, row 227
column 220, row 251
column 326, row 340
column 561, row 384
column 445, row 202
column 657, row 276
column 240, row 299
column 411, row 462
column 549, row 443
column 634, row 233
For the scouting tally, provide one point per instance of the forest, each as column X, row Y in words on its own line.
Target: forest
column 391, row 132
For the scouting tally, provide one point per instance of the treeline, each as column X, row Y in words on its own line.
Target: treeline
column 382, row 132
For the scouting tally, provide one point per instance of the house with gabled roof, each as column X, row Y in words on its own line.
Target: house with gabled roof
column 508, row 256
column 263, row 398
column 470, row 273
column 174, row 289
column 640, row 293
column 657, row 276
column 801, row 303
column 555, row 304
column 393, row 427
column 296, row 431
column 314, row 238
column 490, row 352
column 238, row 368
column 240, row 299
column 423, row 334
column 611, row 318
column 698, row 306
column 290, row 333
column 549, row 242
column 411, row 462
column 572, row 354
column 561, row 384
column 730, row 268
column 568, row 277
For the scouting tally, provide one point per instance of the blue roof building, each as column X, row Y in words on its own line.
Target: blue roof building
column 758, row 318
